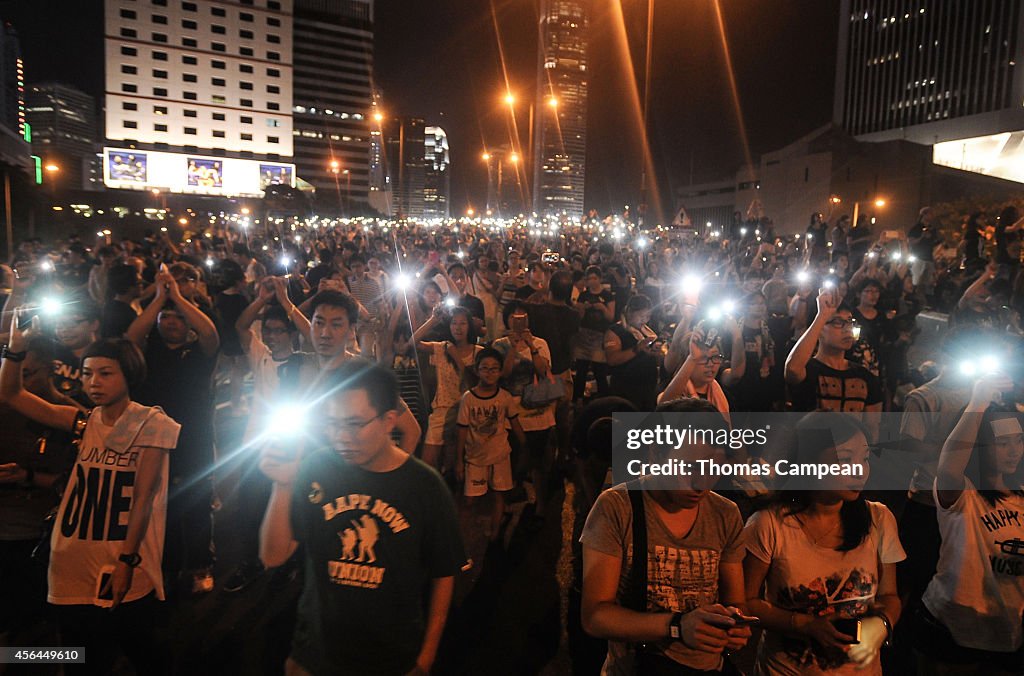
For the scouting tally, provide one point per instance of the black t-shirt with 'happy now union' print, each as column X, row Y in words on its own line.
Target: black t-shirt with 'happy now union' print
column 848, row 391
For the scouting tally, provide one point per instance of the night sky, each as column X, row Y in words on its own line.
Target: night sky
column 439, row 59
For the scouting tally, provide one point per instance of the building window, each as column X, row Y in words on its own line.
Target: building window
column 190, row 77
column 273, row 21
column 159, row 91
column 273, row 89
column 129, row 70
column 218, row 29
column 218, row 47
column 273, row 72
column 273, row 139
column 217, row 82
column 245, row 34
column 245, row 16
column 130, row 88
column 189, row 113
column 219, row 65
column 129, row 33
column 160, row 74
column 245, row 119
column 159, row 37
column 273, row 106
column 218, row 133
column 218, row 11
column 159, row 127
column 159, row 110
column 246, row 137
column 217, row 98
column 160, row 3
column 276, row 39
column 218, row 117
column 273, row 56
column 159, row 18
column 128, row 14
column 189, row 7
column 189, row 60
column 245, row 2
column 245, row 103
column 129, row 51
column 273, row 122
column 245, row 85
column 274, row 4
column 159, row 56
column 245, row 51
column 244, row 68
column 190, row 96
column 131, row 124
column 189, row 24
column 128, row 105
column 191, row 131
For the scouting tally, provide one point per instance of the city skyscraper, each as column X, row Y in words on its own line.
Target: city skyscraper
column 333, row 97
column 199, row 96
column 12, row 81
column 405, row 147
column 437, row 180
column 63, row 123
column 560, row 110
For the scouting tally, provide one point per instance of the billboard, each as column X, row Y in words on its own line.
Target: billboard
column 192, row 174
column 998, row 155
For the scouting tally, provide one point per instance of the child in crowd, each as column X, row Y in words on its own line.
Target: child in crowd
column 484, row 454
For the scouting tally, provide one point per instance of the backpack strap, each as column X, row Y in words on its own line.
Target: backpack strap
column 636, row 593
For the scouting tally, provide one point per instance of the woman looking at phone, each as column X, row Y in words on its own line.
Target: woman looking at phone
column 826, row 560
column 633, row 353
column 108, row 538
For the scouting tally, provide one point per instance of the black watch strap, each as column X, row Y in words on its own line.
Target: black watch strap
column 675, row 631
column 10, row 355
column 131, row 560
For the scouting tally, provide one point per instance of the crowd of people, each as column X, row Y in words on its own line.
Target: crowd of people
column 403, row 386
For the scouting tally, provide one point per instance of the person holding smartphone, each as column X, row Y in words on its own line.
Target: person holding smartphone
column 820, row 569
column 633, row 352
column 109, row 558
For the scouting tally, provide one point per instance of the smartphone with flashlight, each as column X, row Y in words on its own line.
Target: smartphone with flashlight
column 104, row 597
column 517, row 323
column 549, row 257
column 849, row 626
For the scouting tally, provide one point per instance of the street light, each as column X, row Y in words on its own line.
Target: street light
column 510, row 99
column 514, row 158
column 553, row 102
column 52, row 168
column 879, row 202
column 485, row 157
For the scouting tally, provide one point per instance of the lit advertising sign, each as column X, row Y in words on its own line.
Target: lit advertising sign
column 195, row 174
column 998, row 155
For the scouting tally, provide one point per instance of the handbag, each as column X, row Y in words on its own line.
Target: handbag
column 542, row 392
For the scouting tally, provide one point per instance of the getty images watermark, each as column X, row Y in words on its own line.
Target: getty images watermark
column 760, row 452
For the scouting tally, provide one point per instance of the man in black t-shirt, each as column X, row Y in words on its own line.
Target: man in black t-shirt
column 827, row 380
column 377, row 526
column 180, row 358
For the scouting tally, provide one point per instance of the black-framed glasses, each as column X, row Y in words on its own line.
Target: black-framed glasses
column 715, row 359
column 352, row 426
column 840, row 323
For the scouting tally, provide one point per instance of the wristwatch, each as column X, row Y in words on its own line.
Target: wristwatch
column 130, row 560
column 8, row 354
column 675, row 629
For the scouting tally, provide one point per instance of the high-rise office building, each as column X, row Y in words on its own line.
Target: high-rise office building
column 63, row 123
column 199, row 95
column 12, row 81
column 437, row 180
column 405, row 147
column 948, row 73
column 333, row 98
column 560, row 109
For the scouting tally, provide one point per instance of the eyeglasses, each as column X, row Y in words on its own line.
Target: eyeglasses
column 488, row 369
column 68, row 322
column 840, row 323
column 716, row 360
column 352, row 426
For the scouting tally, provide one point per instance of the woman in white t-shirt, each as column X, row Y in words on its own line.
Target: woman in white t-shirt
column 823, row 553
column 450, row 359
column 108, row 537
column 973, row 606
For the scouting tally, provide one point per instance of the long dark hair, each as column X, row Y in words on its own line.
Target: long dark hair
column 980, row 466
column 816, row 433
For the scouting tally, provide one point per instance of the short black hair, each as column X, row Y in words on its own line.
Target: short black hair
column 121, row 278
column 278, row 313
column 86, row 308
column 456, row 266
column 511, row 308
column 593, row 270
column 336, row 299
column 488, row 352
column 357, row 258
column 126, row 353
column 867, row 283
column 379, row 383
column 560, row 286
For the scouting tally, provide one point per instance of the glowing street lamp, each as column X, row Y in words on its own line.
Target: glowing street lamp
column 335, row 167
column 879, row 202
column 510, row 100
column 52, row 168
column 485, row 157
column 378, row 118
column 514, row 158
column 553, row 102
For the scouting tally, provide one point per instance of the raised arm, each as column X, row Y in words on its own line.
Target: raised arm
column 297, row 316
column 738, row 362
column 249, row 315
column 796, row 362
column 204, row 327
column 17, row 397
column 143, row 324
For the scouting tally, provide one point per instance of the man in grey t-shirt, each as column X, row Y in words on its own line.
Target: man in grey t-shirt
column 694, row 570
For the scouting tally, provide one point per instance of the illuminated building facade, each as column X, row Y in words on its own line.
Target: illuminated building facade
column 946, row 73
column 560, row 110
column 63, row 123
column 333, row 98
column 437, row 174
